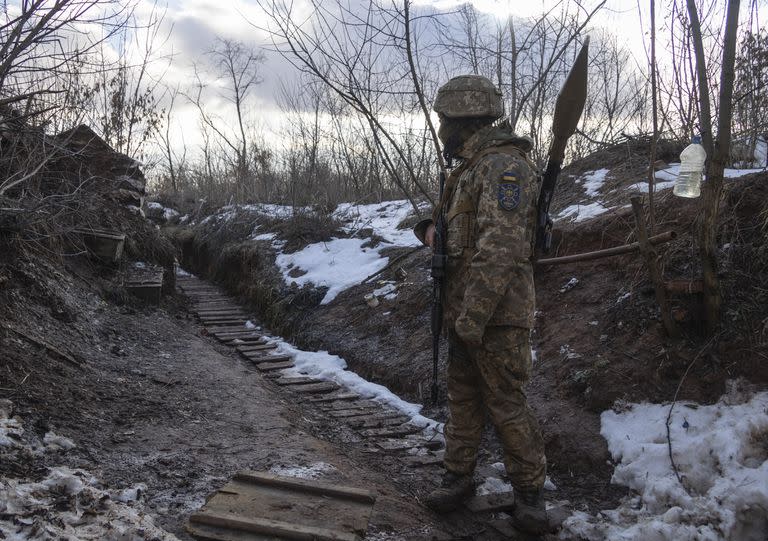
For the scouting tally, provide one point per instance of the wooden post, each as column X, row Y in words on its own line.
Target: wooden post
column 652, row 261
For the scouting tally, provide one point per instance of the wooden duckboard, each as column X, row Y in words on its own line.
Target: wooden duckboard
column 256, row 506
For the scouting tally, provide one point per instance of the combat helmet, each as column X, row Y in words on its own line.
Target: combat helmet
column 469, row 96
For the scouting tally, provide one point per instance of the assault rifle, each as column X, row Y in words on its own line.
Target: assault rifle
column 568, row 109
column 439, row 260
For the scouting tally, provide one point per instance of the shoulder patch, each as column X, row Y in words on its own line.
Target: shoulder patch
column 509, row 194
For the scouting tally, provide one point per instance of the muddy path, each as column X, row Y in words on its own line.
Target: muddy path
column 158, row 403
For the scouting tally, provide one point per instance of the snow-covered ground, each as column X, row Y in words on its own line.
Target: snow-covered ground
column 721, row 454
column 593, row 181
column 342, row 263
column 579, row 213
column 166, row 212
column 67, row 504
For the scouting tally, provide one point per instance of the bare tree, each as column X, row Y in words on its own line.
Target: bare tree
column 348, row 52
column 713, row 188
column 237, row 67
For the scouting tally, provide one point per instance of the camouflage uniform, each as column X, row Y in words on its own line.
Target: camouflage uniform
column 489, row 303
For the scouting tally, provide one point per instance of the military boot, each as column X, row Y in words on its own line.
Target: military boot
column 530, row 513
column 453, row 490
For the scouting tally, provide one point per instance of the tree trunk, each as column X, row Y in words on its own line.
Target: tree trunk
column 712, row 189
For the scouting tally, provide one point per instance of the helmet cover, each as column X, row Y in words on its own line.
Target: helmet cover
column 469, row 96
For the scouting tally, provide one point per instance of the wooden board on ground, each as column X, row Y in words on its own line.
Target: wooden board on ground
column 258, row 347
column 260, row 358
column 390, row 432
column 377, row 420
column 295, row 380
column 256, row 506
column 232, row 332
column 315, row 388
column 332, row 398
column 223, row 314
column 224, row 322
column 354, row 412
column 403, row 444
column 254, row 339
column 271, row 367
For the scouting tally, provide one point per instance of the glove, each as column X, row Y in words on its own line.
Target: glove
column 469, row 330
column 420, row 230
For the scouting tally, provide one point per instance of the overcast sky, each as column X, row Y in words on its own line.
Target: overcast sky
column 193, row 25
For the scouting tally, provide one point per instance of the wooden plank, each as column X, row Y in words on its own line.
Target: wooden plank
column 257, row 506
column 257, row 347
column 378, row 421
column 229, row 332
column 256, row 339
column 403, row 444
column 260, row 359
column 243, row 337
column 390, row 432
column 315, row 388
column 228, row 312
column 223, row 312
column 271, row 527
column 295, row 380
column 351, row 404
column 270, row 367
column 225, row 322
column 334, row 397
column 353, row 412
column 311, row 487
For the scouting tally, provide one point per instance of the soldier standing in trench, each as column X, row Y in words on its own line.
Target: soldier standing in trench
column 489, row 208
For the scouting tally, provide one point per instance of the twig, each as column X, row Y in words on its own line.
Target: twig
column 672, row 406
column 47, row 346
column 395, row 260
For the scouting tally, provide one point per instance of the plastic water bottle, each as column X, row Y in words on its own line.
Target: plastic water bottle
column 688, row 183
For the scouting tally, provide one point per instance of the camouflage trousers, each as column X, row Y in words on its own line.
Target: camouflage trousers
column 491, row 378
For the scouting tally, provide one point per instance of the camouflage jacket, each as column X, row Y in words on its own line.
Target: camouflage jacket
column 490, row 217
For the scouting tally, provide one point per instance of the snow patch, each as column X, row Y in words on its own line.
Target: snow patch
column 313, row 471
column 593, row 181
column 342, row 263
column 10, row 432
column 579, row 213
column 721, row 456
column 573, row 282
column 54, row 441
column 337, row 264
column 388, row 291
column 68, row 503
